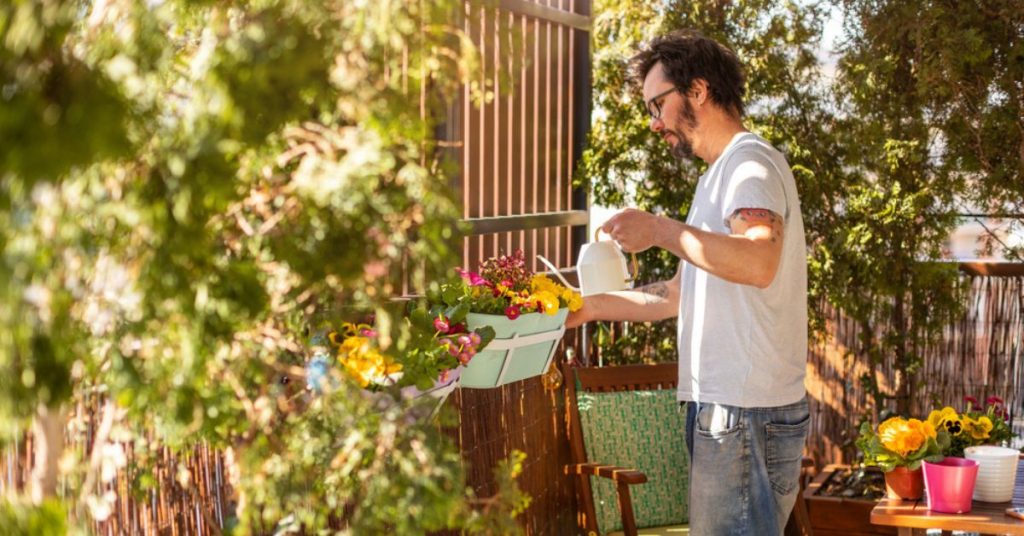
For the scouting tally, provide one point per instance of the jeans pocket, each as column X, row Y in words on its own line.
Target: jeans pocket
column 784, row 449
column 717, row 421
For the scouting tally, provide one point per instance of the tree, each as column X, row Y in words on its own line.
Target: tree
column 185, row 186
column 932, row 98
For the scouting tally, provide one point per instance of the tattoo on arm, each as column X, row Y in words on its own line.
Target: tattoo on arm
column 655, row 292
column 744, row 218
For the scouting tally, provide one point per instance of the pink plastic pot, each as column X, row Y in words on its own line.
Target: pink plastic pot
column 949, row 484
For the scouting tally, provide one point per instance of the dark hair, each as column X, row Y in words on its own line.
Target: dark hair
column 686, row 55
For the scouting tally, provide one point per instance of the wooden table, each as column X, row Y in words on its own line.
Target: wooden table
column 912, row 517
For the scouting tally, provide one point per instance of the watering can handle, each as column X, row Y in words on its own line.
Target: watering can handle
column 636, row 266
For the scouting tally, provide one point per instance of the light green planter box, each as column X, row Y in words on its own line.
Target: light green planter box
column 522, row 348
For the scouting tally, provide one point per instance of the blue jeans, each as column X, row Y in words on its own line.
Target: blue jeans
column 744, row 467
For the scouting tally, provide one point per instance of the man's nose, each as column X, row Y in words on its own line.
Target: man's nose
column 657, row 124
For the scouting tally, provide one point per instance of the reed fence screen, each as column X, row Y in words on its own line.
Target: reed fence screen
column 979, row 355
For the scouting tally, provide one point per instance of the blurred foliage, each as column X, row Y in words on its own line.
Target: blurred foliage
column 46, row 519
column 185, row 185
column 921, row 122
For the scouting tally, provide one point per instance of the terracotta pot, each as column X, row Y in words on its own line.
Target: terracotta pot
column 902, row 483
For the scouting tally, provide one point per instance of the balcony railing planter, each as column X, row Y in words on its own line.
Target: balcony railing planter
column 445, row 384
column 522, row 348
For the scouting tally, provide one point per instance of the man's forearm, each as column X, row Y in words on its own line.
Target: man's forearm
column 656, row 301
column 735, row 258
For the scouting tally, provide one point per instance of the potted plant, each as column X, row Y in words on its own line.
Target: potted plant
column 897, row 447
column 980, row 434
column 975, row 426
column 427, row 362
column 527, row 312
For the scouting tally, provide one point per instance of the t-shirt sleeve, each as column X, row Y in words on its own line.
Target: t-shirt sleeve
column 753, row 182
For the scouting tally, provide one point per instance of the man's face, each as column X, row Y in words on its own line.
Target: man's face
column 672, row 114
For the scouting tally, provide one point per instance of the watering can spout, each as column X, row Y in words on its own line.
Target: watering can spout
column 557, row 272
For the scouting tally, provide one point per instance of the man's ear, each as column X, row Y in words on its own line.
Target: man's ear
column 699, row 90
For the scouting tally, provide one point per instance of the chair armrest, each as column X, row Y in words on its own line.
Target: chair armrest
column 618, row 474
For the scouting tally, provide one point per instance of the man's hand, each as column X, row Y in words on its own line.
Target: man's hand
column 634, row 230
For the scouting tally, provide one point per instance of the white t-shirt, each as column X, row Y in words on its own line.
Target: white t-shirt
column 740, row 345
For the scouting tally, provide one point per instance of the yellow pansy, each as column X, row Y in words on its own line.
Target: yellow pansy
column 979, row 429
column 548, row 301
column 946, row 419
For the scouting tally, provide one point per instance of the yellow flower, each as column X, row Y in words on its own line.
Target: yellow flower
column 548, row 301
column 541, row 282
column 979, row 429
column 573, row 300
column 363, row 362
column 902, row 436
column 929, row 430
column 946, row 419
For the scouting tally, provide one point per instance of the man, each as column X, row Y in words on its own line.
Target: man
column 740, row 292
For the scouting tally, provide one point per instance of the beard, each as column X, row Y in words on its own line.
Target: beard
column 683, row 149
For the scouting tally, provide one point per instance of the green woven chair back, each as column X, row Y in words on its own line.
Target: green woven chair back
column 643, row 430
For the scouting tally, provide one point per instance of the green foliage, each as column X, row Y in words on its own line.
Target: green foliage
column 21, row 518
column 626, row 165
column 50, row 97
column 186, row 187
column 497, row 514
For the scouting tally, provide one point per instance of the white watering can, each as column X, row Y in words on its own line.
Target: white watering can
column 601, row 268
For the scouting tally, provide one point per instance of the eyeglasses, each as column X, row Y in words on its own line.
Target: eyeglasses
column 654, row 107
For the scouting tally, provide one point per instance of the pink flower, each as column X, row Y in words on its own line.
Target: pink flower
column 440, row 324
column 447, row 344
column 366, row 332
column 512, row 312
column 472, row 278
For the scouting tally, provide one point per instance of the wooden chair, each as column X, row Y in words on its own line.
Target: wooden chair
column 645, row 394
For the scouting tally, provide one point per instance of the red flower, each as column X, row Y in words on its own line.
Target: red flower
column 971, row 402
column 512, row 312
column 993, row 401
